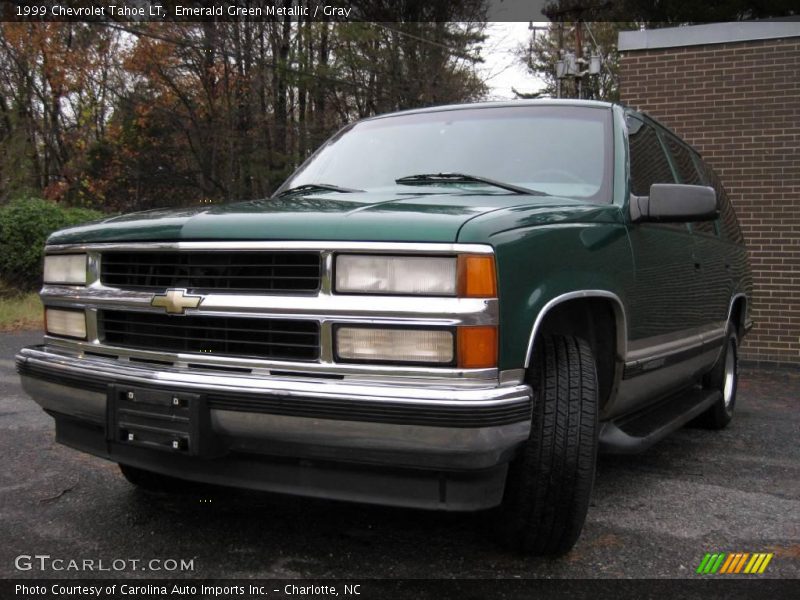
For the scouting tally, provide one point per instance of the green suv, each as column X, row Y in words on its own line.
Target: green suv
column 452, row 308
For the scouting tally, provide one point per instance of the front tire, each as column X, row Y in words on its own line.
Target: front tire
column 550, row 483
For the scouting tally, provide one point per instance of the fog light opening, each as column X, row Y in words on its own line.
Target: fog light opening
column 65, row 323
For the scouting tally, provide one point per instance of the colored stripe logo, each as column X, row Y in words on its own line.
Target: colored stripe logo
column 733, row 563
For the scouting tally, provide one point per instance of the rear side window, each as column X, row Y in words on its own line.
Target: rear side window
column 649, row 163
column 728, row 221
column 685, row 163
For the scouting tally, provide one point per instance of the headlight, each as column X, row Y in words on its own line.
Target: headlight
column 65, row 268
column 424, row 275
column 395, row 345
column 69, row 323
column 468, row 275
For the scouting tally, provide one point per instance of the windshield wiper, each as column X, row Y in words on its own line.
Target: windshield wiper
column 427, row 178
column 317, row 187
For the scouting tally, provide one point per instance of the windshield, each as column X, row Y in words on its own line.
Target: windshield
column 559, row 150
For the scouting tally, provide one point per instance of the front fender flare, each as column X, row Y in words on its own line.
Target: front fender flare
column 619, row 312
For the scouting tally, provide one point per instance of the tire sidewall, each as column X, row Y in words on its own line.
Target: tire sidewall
column 731, row 345
column 720, row 414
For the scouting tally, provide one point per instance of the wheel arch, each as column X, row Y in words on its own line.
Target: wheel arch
column 584, row 313
column 737, row 312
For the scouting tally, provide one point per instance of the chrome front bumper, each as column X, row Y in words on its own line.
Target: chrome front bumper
column 414, row 435
column 429, row 426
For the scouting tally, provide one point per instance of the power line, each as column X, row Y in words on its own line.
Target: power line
column 456, row 52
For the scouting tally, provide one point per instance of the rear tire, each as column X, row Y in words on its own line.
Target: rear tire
column 723, row 377
column 550, row 483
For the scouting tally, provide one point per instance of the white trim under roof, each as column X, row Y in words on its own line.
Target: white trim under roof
column 711, row 33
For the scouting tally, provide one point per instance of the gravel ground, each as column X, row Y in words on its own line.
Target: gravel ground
column 653, row 515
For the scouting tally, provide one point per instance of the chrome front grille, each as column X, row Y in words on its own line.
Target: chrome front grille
column 145, row 334
column 222, row 272
column 276, row 339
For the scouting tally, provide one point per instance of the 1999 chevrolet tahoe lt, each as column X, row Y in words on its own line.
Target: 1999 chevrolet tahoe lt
column 451, row 308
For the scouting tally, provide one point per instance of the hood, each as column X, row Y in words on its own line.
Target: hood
column 395, row 217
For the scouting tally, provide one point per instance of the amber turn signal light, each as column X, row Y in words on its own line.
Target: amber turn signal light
column 476, row 276
column 477, row 347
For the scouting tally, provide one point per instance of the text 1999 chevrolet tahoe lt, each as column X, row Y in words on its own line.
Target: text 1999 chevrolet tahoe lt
column 450, row 308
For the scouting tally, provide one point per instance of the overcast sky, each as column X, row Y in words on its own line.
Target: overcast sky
column 502, row 69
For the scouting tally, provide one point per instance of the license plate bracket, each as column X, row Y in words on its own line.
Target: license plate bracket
column 158, row 419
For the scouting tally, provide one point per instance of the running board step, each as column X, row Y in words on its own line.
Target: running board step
column 636, row 433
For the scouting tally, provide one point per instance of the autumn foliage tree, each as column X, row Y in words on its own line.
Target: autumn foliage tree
column 126, row 116
column 56, row 82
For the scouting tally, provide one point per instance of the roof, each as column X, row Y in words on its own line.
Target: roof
column 710, row 33
column 500, row 104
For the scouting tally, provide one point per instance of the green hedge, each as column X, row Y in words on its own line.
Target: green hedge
column 24, row 226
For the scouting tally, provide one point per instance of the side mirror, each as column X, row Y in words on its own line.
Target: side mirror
column 675, row 203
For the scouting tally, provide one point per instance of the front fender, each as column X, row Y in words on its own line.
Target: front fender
column 540, row 267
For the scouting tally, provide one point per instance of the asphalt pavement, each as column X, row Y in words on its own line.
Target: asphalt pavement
column 652, row 515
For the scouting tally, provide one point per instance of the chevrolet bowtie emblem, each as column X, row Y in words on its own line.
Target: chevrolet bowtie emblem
column 176, row 301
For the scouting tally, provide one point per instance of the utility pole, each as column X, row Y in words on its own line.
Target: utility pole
column 578, row 52
column 578, row 63
column 560, row 55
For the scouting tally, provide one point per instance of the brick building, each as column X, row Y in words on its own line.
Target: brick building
column 732, row 90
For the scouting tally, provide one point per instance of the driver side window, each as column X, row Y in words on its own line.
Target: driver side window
column 649, row 163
